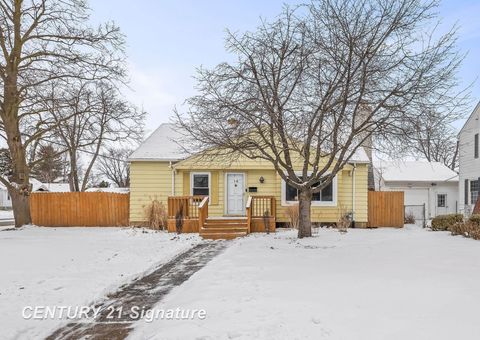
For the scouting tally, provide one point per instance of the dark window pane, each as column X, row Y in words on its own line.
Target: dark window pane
column 441, row 201
column 291, row 194
column 200, row 191
column 316, row 195
column 200, row 181
column 474, row 191
column 327, row 193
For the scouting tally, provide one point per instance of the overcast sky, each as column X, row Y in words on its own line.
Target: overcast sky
column 168, row 39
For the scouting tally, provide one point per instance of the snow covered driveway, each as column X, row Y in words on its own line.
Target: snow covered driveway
column 72, row 267
column 367, row 284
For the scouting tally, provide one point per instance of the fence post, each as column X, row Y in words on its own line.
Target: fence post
column 424, row 216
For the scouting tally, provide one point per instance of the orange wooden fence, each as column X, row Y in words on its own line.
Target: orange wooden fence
column 385, row 209
column 79, row 209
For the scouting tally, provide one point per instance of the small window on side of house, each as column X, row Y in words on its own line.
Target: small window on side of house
column 441, row 201
column 200, row 184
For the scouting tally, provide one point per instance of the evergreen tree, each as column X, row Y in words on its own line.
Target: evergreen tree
column 50, row 165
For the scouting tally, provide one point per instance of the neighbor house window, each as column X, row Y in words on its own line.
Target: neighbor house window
column 442, row 200
column 475, row 147
column 325, row 195
column 200, row 184
column 474, row 189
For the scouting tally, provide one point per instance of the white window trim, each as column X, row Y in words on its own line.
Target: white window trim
column 209, row 182
column 446, row 199
column 333, row 203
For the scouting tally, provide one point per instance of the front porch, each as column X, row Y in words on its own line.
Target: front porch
column 190, row 213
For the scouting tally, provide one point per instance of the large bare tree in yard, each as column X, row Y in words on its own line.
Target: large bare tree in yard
column 90, row 117
column 41, row 42
column 307, row 89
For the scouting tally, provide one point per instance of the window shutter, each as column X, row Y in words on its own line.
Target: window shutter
column 214, row 188
column 186, row 183
column 466, row 192
column 475, row 148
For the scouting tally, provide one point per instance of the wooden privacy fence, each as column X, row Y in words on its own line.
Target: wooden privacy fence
column 385, row 209
column 79, row 209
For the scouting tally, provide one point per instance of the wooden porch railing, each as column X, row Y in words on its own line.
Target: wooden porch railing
column 202, row 212
column 188, row 204
column 248, row 211
column 263, row 206
column 261, row 212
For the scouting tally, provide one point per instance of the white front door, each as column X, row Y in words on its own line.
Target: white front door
column 235, row 189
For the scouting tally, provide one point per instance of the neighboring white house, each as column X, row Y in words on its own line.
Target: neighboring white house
column 5, row 200
column 52, row 187
column 424, row 183
column 469, row 162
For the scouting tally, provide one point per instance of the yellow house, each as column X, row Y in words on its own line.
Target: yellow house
column 243, row 195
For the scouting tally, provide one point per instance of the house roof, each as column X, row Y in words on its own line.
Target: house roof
column 475, row 113
column 112, row 190
column 51, row 187
column 163, row 145
column 415, row 171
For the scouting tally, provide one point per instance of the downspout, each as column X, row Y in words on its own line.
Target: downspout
column 173, row 178
column 353, row 194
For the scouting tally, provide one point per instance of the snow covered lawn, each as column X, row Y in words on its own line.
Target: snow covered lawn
column 367, row 284
column 71, row 267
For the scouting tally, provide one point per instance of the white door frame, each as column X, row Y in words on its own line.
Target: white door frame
column 225, row 199
column 446, row 208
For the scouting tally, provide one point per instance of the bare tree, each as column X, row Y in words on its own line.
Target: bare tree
column 94, row 116
column 310, row 87
column 45, row 41
column 433, row 138
column 114, row 166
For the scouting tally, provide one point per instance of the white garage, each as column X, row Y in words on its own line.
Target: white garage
column 428, row 186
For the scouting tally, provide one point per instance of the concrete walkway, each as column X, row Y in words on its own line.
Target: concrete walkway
column 143, row 293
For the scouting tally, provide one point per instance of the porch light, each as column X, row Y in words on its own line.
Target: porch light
column 261, row 179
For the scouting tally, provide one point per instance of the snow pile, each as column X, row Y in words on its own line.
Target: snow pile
column 366, row 284
column 71, row 267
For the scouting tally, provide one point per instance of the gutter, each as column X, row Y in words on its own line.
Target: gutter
column 170, row 165
column 353, row 194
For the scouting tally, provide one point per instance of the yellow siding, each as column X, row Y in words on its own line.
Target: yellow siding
column 149, row 179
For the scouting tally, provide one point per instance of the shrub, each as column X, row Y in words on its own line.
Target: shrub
column 444, row 222
column 156, row 215
column 467, row 229
column 475, row 219
column 409, row 218
column 344, row 219
column 293, row 215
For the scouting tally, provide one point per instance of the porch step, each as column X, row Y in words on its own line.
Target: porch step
column 217, row 220
column 224, row 228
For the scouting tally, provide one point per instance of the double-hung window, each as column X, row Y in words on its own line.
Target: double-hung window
column 200, row 184
column 474, row 191
column 326, row 195
column 441, row 200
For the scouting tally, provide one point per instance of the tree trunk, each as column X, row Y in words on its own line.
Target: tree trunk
column 20, row 185
column 21, row 207
column 304, row 220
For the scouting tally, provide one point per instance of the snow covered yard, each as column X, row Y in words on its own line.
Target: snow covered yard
column 367, row 284
column 71, row 267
